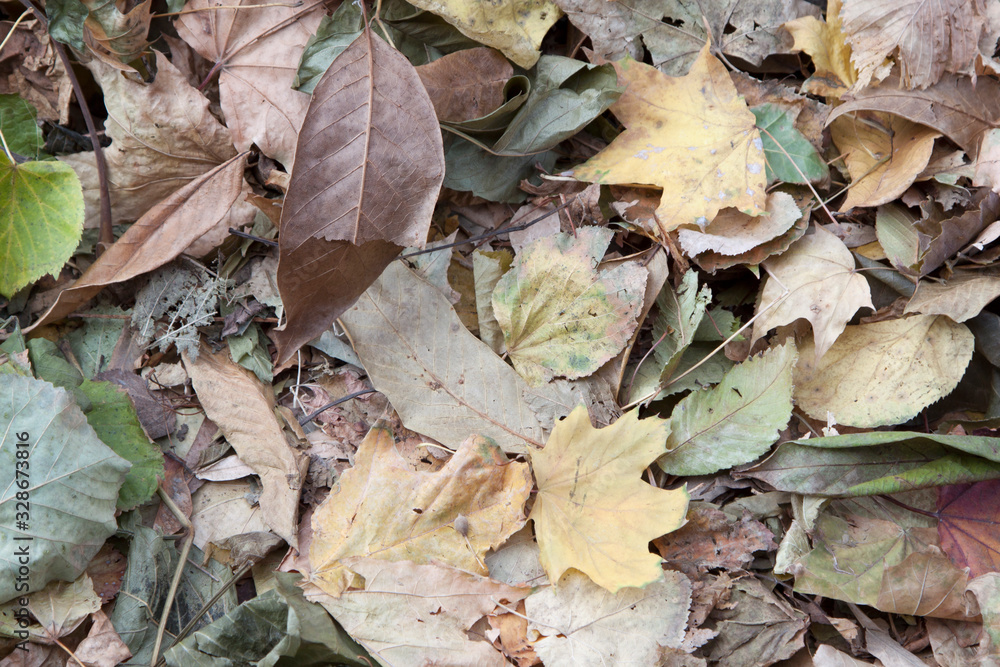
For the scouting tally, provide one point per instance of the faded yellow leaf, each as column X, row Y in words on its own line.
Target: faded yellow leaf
column 515, row 27
column 818, row 272
column 961, row 297
column 884, row 154
column 242, row 406
column 691, row 135
column 734, row 233
column 824, row 42
column 593, row 512
column 384, row 509
column 884, row 372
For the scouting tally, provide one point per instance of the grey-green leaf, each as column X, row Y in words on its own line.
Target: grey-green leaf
column 334, row 34
column 71, row 481
column 734, row 422
column 789, row 155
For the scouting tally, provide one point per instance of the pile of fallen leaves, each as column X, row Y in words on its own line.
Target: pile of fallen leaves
column 562, row 332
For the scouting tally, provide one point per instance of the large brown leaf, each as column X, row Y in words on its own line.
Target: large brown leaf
column 257, row 50
column 368, row 168
column 211, row 203
column 953, row 106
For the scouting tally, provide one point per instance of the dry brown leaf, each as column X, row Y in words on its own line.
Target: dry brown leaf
column 209, row 203
column 257, row 51
column 931, row 37
column 163, row 137
column 102, row 647
column 466, row 84
column 884, row 155
column 734, row 233
column 370, row 111
column 961, row 297
column 823, row 287
column 115, row 37
column 954, row 106
column 411, row 614
column 30, row 68
column 384, row 509
column 242, row 407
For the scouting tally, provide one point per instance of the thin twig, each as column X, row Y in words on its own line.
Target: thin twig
column 306, row 420
column 172, row 593
column 106, row 237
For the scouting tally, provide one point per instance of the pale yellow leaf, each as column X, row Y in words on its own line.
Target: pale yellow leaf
column 515, row 27
column 884, row 372
column 818, row 272
column 824, row 42
column 384, row 509
column 692, row 135
column 593, row 512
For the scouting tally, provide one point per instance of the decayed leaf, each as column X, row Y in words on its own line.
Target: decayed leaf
column 74, row 481
column 102, row 646
column 884, row 154
column 488, row 267
column 384, row 509
column 756, row 627
column 883, row 372
column 734, row 422
column 243, row 409
column 593, row 512
column 116, row 38
column 955, row 106
column 580, row 625
column 368, row 170
column 675, row 325
column 41, row 219
column 824, row 42
column 692, row 136
column 466, row 84
column 558, row 314
column 516, row 28
column 257, row 52
column 211, row 203
column 818, row 271
column 411, row 614
column 713, row 539
column 442, row 380
column 734, row 233
column 932, row 37
column 61, row 607
column 674, row 32
column 961, row 297
column 969, row 516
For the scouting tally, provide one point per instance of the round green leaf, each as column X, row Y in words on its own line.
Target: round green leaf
column 71, row 484
column 41, row 220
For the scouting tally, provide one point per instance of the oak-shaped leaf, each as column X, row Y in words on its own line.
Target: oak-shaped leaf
column 822, row 286
column 559, row 315
column 368, row 168
column 70, row 478
column 693, row 135
column 593, row 512
column 384, row 509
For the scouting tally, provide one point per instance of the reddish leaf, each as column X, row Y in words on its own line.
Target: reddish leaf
column 969, row 516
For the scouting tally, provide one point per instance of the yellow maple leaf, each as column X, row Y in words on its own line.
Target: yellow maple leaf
column 825, row 43
column 514, row 27
column 383, row 509
column 593, row 512
column 691, row 135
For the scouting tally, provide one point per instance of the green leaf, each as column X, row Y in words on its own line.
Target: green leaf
column 20, row 131
column 734, row 422
column 781, row 134
column 558, row 314
column 72, row 483
column 468, row 168
column 113, row 418
column 334, row 34
column 152, row 561
column 249, row 350
column 419, row 35
column 678, row 320
column 66, row 19
column 268, row 630
column 41, row 220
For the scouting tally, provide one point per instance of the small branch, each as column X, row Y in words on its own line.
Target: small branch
column 306, row 420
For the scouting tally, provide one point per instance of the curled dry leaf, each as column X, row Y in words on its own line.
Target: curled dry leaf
column 691, row 135
column 368, row 170
column 243, row 409
column 214, row 201
column 466, row 84
column 734, row 233
column 257, row 51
